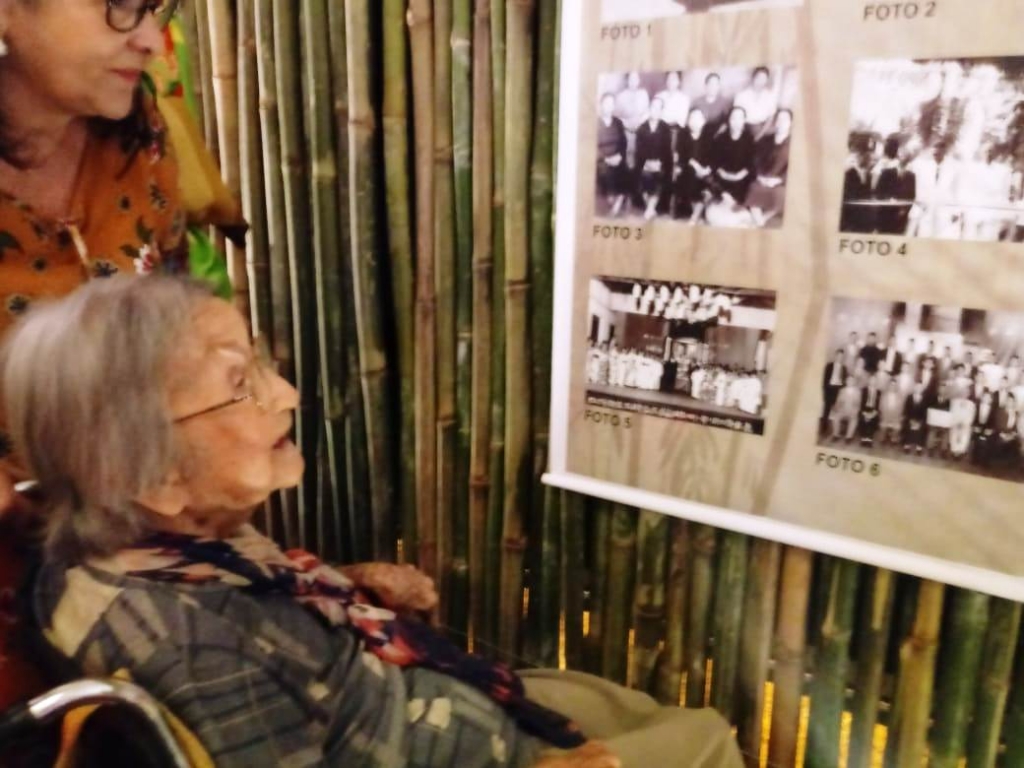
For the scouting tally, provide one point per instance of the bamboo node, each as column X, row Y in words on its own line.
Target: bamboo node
column 517, row 287
column 514, row 544
column 414, row 18
column 367, row 121
column 650, row 613
column 788, row 656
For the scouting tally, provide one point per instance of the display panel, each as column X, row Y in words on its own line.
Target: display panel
column 790, row 274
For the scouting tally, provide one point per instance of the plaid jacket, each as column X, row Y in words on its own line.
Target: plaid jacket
column 262, row 682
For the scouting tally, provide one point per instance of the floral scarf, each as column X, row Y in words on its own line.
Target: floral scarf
column 254, row 564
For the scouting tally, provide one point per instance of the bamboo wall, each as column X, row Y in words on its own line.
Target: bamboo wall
column 396, row 160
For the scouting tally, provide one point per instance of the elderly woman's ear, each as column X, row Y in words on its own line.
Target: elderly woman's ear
column 167, row 500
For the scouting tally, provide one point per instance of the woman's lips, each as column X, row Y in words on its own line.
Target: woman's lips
column 129, row 75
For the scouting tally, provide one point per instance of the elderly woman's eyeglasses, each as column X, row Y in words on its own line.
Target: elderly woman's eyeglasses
column 127, row 15
column 255, row 385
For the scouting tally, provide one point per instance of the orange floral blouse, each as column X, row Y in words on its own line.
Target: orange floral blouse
column 125, row 217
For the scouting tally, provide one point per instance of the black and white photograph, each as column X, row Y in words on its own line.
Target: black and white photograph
column 697, row 353
column 634, row 10
column 699, row 147
column 940, row 386
column 936, row 149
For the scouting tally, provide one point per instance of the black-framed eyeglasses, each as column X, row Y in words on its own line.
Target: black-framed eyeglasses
column 255, row 386
column 127, row 15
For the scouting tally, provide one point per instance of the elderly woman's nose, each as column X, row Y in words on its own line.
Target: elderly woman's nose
column 285, row 396
column 147, row 38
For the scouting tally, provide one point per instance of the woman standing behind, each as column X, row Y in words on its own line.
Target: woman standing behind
column 632, row 105
column 87, row 187
column 676, row 102
column 760, row 102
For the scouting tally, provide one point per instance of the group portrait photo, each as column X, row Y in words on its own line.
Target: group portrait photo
column 936, row 150
column 701, row 146
column 681, row 351
column 633, row 10
column 941, row 386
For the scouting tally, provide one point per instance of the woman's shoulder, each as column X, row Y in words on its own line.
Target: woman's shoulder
column 75, row 603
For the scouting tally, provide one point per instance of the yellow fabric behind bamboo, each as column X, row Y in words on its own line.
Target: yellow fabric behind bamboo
column 203, row 193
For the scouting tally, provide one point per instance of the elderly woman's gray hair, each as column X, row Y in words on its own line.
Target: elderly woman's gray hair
column 85, row 394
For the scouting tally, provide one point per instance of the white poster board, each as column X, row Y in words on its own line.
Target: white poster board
column 802, row 319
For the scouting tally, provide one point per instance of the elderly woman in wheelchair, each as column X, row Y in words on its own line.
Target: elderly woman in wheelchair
column 154, row 428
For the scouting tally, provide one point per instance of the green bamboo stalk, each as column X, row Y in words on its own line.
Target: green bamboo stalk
column 483, row 274
column 597, row 605
column 790, row 644
column 619, row 594
column 462, row 158
column 354, row 523
column 421, row 43
column 545, row 596
column 828, row 689
column 363, row 189
column 397, row 169
column 1013, row 728
column 253, row 199
column 651, row 565
column 821, row 592
column 702, row 583
column 728, row 620
column 302, row 284
column 876, row 623
column 908, row 731
column 224, row 63
column 541, row 232
column 518, row 379
column 958, row 684
column 756, row 644
column 496, row 502
column 673, row 662
column 444, row 292
column 904, row 614
column 573, row 529
column 323, row 177
column 257, row 258
column 280, row 333
column 993, row 683
column 541, row 270
column 556, row 95
column 189, row 28
column 204, row 81
column 224, row 80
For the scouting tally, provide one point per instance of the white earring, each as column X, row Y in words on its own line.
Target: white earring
column 3, row 48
